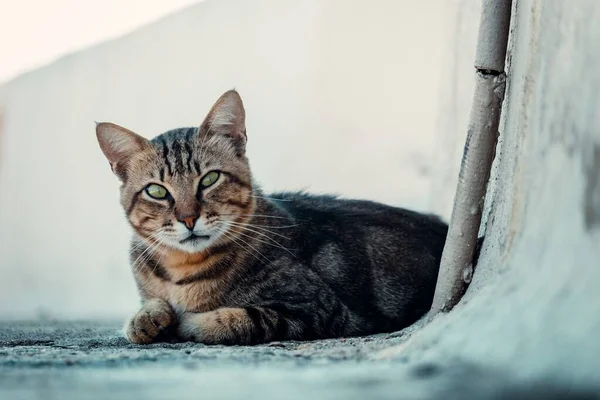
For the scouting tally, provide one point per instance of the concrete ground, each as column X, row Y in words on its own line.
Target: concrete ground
column 91, row 360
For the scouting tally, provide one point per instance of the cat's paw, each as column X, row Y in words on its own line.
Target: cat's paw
column 221, row 326
column 190, row 327
column 209, row 327
column 147, row 325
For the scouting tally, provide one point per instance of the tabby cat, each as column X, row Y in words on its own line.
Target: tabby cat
column 218, row 262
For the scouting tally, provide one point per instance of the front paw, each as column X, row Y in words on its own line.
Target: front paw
column 221, row 326
column 189, row 327
column 147, row 325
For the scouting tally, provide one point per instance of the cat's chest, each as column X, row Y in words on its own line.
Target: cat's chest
column 198, row 296
column 192, row 283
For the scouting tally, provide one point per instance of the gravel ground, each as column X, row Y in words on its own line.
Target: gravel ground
column 91, row 360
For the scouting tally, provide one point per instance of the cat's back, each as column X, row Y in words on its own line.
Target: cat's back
column 391, row 243
column 381, row 260
column 322, row 211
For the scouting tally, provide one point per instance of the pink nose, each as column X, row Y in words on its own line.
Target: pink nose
column 189, row 222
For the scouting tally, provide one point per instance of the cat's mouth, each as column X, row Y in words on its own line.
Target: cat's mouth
column 193, row 238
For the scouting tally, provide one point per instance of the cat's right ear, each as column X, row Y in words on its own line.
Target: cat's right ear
column 119, row 144
column 227, row 118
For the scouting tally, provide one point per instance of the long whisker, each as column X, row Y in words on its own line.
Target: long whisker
column 162, row 256
column 156, row 247
column 258, row 227
column 141, row 258
column 144, row 257
column 253, row 251
column 147, row 253
column 268, row 226
column 240, row 242
column 264, row 216
column 142, row 254
column 143, row 242
column 147, row 258
column 271, row 242
column 269, row 198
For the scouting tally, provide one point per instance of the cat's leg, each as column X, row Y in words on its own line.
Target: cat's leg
column 147, row 324
column 248, row 325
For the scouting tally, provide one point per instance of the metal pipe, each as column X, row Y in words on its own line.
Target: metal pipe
column 456, row 267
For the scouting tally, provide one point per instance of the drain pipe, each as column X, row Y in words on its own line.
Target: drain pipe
column 456, row 267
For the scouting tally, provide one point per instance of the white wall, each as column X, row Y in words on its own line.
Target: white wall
column 341, row 96
column 532, row 310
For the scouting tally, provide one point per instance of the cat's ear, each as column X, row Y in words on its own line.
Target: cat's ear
column 118, row 144
column 227, row 118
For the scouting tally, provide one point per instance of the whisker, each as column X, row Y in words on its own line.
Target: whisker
column 269, row 198
column 257, row 227
column 147, row 253
column 266, row 226
column 264, row 216
column 162, row 256
column 272, row 242
column 148, row 247
column 270, row 226
column 143, row 242
column 237, row 240
column 148, row 277
column 146, row 259
column 143, row 257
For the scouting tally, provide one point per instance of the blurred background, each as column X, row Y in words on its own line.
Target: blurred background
column 363, row 98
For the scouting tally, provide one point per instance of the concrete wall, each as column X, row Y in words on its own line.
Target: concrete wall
column 341, row 96
column 533, row 309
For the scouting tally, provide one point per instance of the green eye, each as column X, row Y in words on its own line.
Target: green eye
column 156, row 191
column 209, row 179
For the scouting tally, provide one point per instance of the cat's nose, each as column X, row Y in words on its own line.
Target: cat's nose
column 189, row 221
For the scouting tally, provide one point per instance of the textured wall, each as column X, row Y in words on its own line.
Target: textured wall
column 533, row 309
column 341, row 96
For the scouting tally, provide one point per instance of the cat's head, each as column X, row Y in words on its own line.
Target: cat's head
column 186, row 188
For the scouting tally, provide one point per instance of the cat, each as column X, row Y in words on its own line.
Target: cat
column 217, row 261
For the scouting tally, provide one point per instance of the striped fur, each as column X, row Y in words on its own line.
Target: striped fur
column 260, row 268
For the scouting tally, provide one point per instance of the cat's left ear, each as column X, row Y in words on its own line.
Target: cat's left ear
column 227, row 118
column 119, row 144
